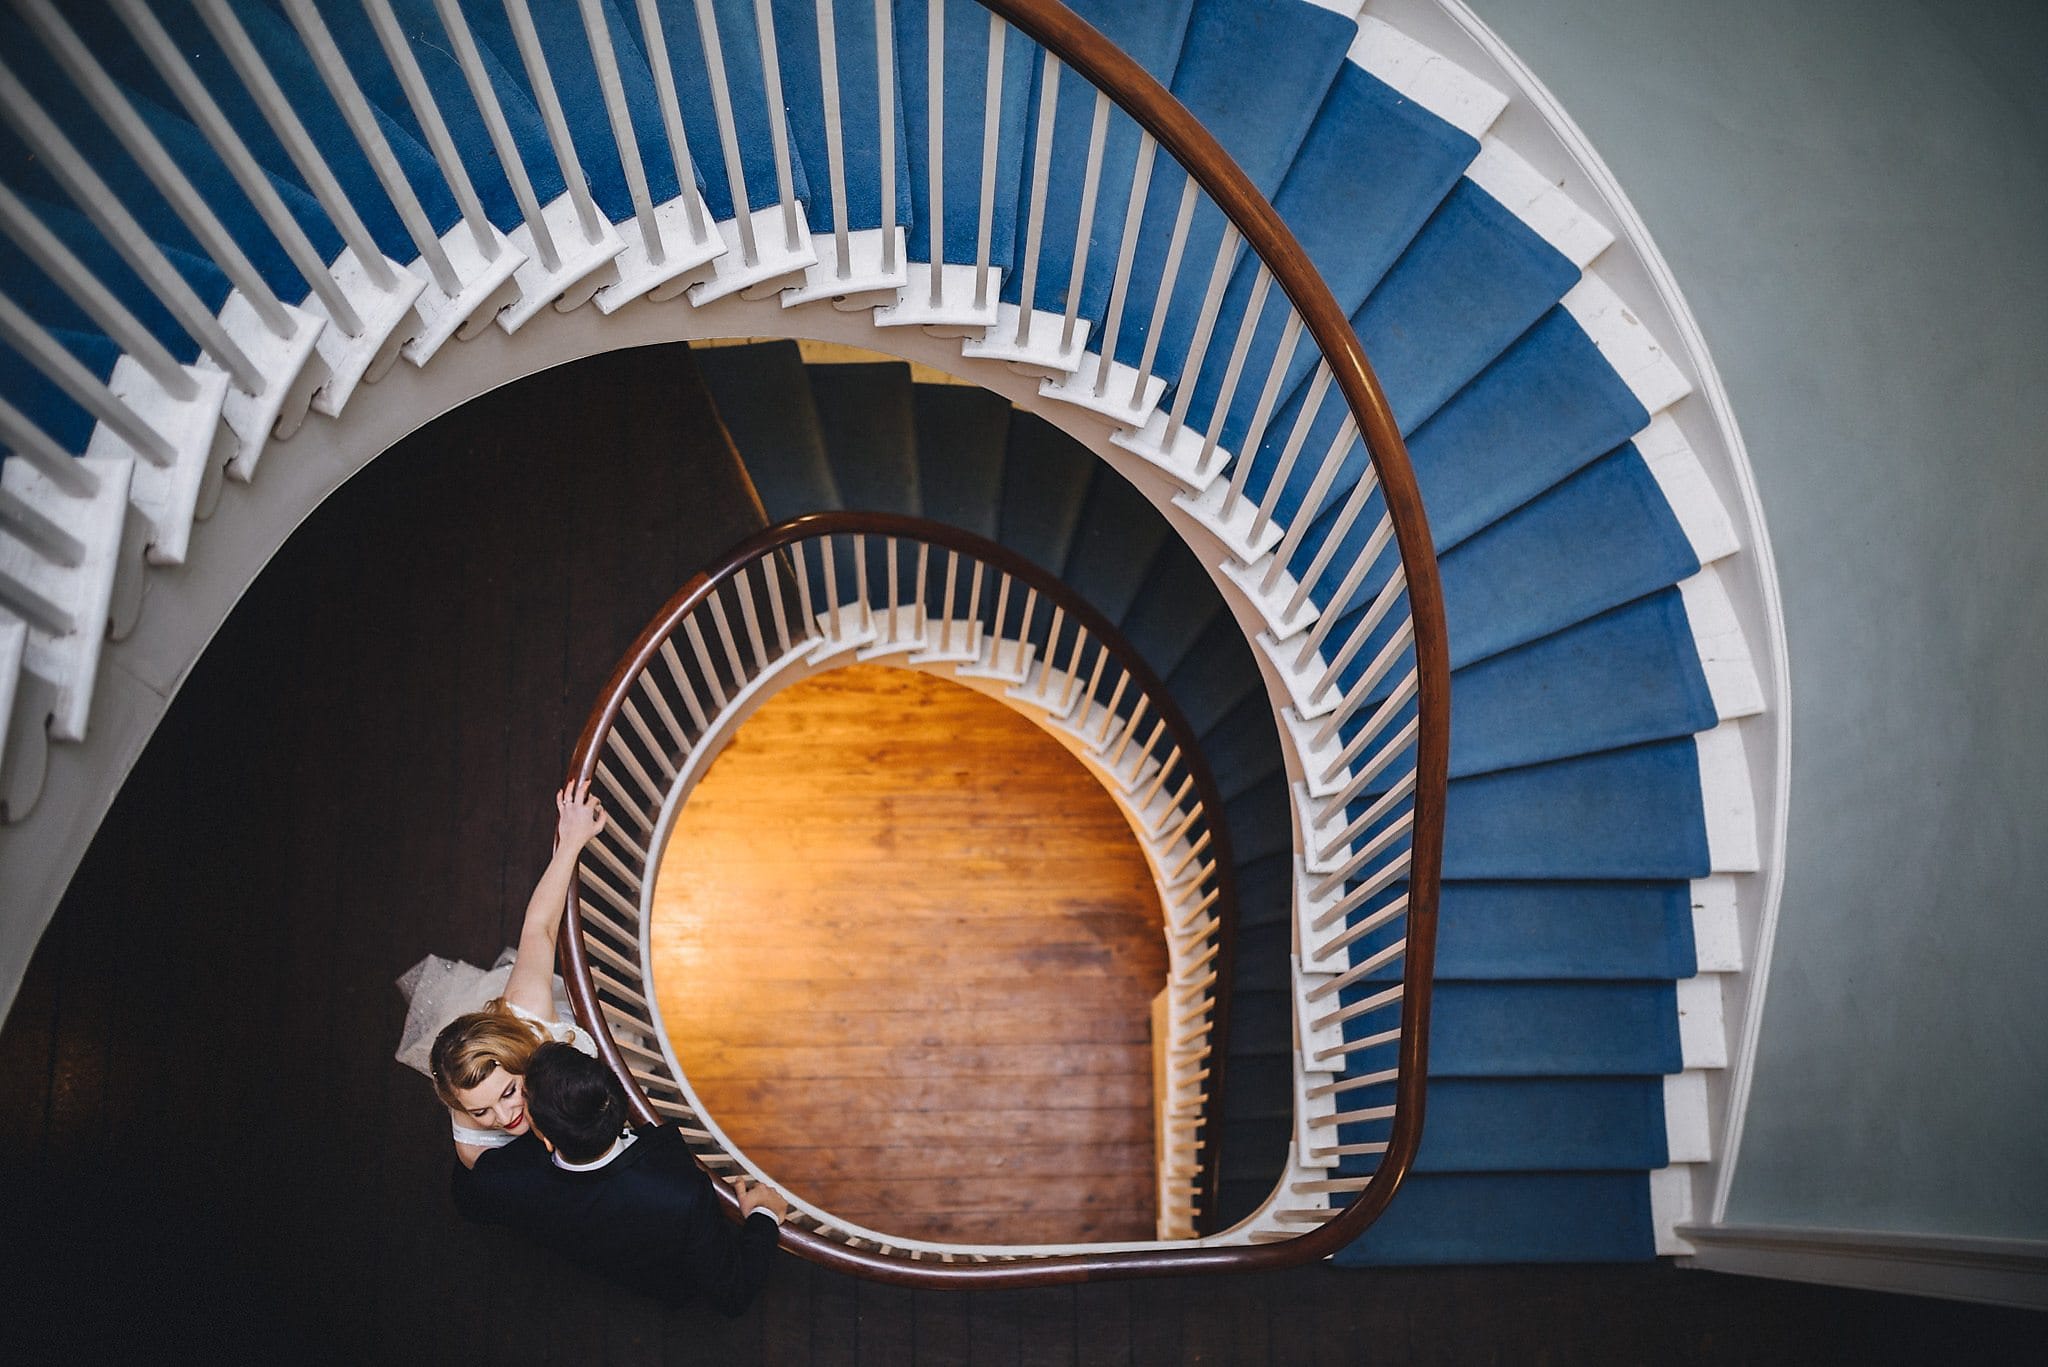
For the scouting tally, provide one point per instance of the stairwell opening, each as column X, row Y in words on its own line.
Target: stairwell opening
column 904, row 947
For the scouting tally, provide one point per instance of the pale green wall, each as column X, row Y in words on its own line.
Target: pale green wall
column 1854, row 197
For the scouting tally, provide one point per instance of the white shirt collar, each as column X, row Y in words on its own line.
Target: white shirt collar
column 624, row 1142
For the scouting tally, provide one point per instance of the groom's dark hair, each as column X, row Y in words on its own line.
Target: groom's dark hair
column 575, row 1101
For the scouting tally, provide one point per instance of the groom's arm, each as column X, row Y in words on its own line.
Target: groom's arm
column 724, row 1262
column 730, row 1263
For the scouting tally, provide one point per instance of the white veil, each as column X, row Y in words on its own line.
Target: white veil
column 438, row 990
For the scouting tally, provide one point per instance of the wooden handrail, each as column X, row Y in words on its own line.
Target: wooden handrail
column 1111, row 70
column 815, row 526
column 1084, row 50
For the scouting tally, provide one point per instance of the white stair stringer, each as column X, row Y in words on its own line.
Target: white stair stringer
column 1037, row 343
column 963, row 305
column 1180, row 458
column 292, row 373
column 683, row 259
column 873, row 275
column 168, row 498
column 583, row 262
column 487, row 284
column 68, row 659
column 781, row 254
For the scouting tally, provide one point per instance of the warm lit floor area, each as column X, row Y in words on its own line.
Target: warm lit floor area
column 905, row 947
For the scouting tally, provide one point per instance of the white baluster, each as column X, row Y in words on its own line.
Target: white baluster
column 258, row 399
column 1333, row 541
column 935, row 142
column 35, row 448
column 778, row 124
column 545, row 267
column 655, row 38
column 750, row 618
column 593, row 240
column 370, row 305
column 885, row 127
column 163, row 412
column 756, row 266
column 1016, row 336
column 1091, row 189
column 43, row 247
column 835, row 142
column 1382, row 603
column 684, row 688
column 66, row 532
column 1137, row 393
column 865, row 266
column 67, row 373
column 662, row 248
column 150, row 155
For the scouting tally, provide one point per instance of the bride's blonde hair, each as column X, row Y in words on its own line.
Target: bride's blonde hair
column 470, row 1046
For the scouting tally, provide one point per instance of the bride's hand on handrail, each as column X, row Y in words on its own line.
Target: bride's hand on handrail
column 578, row 816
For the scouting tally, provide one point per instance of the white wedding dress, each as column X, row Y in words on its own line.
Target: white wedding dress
column 437, row 990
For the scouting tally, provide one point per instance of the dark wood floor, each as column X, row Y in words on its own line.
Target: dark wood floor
column 208, row 1155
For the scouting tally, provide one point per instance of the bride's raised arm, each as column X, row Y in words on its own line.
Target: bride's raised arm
column 579, row 817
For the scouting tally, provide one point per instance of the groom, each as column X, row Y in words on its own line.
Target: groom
column 629, row 1205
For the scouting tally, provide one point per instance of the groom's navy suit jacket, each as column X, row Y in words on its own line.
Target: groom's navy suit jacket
column 649, row 1219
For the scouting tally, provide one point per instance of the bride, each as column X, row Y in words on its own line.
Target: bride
column 478, row 1059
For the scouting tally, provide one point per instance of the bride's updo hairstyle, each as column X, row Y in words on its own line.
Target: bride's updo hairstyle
column 470, row 1046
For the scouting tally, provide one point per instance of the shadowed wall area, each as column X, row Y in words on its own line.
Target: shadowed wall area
column 209, row 1153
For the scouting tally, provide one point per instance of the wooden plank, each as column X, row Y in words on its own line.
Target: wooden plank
column 1065, row 1022
column 1050, row 1160
column 973, row 1093
column 1047, row 1062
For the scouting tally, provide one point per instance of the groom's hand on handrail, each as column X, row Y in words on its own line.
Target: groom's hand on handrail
column 762, row 1197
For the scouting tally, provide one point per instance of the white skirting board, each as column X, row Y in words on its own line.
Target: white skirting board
column 1953, row 1266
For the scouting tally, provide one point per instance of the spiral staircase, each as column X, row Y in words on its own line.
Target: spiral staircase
column 247, row 246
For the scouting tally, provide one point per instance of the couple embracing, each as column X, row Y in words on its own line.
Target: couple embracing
column 541, row 1126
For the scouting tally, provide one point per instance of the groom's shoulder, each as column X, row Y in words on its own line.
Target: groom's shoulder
column 661, row 1159
column 498, row 1173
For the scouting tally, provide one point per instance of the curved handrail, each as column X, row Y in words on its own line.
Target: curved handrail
column 1138, row 94
column 816, row 526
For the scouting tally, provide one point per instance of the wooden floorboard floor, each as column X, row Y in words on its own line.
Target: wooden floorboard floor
column 207, row 1154
column 905, row 948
